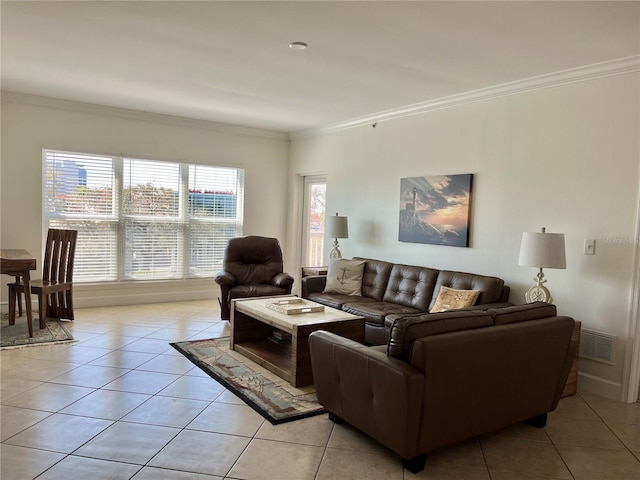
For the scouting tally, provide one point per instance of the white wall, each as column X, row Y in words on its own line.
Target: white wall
column 30, row 124
column 566, row 158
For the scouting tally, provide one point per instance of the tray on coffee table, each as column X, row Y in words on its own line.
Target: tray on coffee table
column 294, row 306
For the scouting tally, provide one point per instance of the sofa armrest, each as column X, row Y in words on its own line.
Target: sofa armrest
column 313, row 284
column 487, row 306
column 282, row 280
column 379, row 395
column 227, row 279
column 516, row 372
column 426, row 316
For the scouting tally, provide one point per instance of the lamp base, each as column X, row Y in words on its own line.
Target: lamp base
column 335, row 251
column 538, row 293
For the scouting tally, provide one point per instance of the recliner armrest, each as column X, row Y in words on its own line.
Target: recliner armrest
column 282, row 280
column 226, row 278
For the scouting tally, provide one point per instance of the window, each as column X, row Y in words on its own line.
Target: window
column 142, row 219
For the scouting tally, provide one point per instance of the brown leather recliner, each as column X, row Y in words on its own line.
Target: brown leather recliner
column 252, row 267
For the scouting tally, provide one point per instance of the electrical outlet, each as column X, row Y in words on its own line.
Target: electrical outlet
column 589, row 247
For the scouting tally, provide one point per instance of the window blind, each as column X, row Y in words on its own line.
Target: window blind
column 80, row 194
column 140, row 219
column 153, row 235
column 215, row 201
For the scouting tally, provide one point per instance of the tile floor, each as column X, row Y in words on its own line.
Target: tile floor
column 122, row 404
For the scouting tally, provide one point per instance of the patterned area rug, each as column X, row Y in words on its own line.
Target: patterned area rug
column 272, row 397
column 16, row 336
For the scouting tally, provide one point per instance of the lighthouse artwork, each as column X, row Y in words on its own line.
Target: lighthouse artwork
column 436, row 209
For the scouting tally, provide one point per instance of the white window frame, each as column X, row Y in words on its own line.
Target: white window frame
column 308, row 182
column 214, row 246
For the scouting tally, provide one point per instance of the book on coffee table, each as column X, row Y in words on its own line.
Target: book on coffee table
column 278, row 336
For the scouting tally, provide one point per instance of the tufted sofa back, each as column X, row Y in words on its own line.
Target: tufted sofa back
column 492, row 289
column 375, row 277
column 411, row 286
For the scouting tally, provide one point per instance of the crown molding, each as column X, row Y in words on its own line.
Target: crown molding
column 619, row 66
column 580, row 74
column 50, row 102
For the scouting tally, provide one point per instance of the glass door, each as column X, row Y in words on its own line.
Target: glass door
column 315, row 193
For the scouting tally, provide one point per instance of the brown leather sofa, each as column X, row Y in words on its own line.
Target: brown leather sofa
column 446, row 377
column 252, row 267
column 389, row 290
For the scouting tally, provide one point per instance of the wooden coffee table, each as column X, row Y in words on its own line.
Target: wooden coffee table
column 252, row 323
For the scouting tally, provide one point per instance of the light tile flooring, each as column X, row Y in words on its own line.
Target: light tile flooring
column 121, row 403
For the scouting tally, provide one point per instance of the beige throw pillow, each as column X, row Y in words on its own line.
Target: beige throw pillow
column 345, row 276
column 450, row 299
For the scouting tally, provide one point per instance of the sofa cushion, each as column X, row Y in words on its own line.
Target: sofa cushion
column 375, row 312
column 411, row 286
column 375, row 277
column 336, row 300
column 405, row 330
column 491, row 288
column 345, row 276
column 522, row 313
column 451, row 299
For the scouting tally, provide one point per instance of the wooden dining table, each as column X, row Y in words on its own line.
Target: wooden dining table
column 19, row 264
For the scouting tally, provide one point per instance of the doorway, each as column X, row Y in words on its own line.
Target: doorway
column 313, row 215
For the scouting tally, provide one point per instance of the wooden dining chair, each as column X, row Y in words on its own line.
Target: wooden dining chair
column 55, row 290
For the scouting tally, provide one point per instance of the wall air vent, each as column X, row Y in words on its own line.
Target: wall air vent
column 597, row 346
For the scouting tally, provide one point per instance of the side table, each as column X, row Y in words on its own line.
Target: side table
column 19, row 263
column 571, row 386
column 308, row 271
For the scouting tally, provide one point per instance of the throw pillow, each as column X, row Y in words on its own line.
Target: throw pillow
column 450, row 298
column 345, row 276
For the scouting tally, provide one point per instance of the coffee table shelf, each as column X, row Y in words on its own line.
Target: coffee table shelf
column 252, row 322
column 274, row 357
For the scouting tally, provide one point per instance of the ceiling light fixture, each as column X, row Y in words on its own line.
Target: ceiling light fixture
column 297, row 45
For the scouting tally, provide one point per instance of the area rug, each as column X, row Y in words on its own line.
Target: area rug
column 269, row 395
column 16, row 336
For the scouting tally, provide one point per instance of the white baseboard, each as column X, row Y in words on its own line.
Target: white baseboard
column 600, row 386
column 113, row 294
column 141, row 298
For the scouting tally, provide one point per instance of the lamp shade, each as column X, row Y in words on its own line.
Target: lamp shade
column 542, row 250
column 337, row 227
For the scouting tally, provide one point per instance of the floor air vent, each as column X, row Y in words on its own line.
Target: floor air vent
column 597, row 346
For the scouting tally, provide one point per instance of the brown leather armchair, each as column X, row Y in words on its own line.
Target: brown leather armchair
column 445, row 377
column 252, row 267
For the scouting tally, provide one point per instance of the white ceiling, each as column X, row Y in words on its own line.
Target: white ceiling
column 230, row 61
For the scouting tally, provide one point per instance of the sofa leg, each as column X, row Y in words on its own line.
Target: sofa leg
column 415, row 464
column 335, row 418
column 538, row 421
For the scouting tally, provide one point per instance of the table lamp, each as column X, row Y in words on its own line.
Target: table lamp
column 541, row 250
column 337, row 228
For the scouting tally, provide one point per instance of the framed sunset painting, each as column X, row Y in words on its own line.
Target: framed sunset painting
column 436, row 209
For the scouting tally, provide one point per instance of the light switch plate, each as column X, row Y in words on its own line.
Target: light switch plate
column 589, row 247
